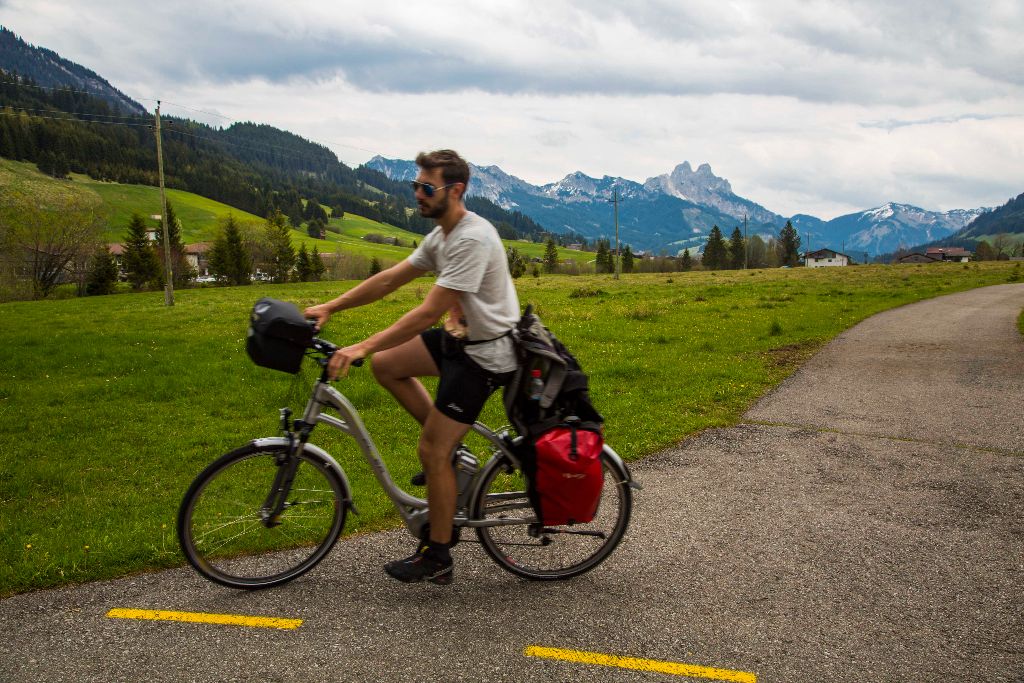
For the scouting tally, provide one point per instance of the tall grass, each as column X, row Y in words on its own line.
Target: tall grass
column 109, row 406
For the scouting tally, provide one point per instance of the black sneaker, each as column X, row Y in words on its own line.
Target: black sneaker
column 422, row 566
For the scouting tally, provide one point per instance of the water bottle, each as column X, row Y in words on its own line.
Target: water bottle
column 465, row 465
column 536, row 385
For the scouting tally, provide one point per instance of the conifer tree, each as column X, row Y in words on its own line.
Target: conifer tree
column 317, row 267
column 627, row 260
column 181, row 270
column 602, row 257
column 374, row 266
column 686, row 263
column 302, row 266
column 140, row 259
column 715, row 250
column 789, row 246
column 737, row 249
column 228, row 259
column 103, row 273
column 282, row 255
column 550, row 256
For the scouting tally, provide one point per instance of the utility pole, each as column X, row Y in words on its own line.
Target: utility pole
column 746, row 242
column 168, row 275
column 615, row 200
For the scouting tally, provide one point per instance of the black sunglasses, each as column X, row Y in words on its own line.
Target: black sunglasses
column 427, row 188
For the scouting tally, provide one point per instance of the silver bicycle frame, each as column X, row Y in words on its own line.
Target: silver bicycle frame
column 412, row 509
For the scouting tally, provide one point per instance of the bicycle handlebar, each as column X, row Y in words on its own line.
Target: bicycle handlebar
column 327, row 349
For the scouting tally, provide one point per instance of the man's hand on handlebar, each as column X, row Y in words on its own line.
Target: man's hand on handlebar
column 321, row 314
column 344, row 358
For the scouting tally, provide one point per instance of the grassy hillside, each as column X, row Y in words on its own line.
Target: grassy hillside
column 200, row 216
column 109, row 406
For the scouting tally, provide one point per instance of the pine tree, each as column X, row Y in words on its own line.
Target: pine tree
column 103, row 273
column 789, row 246
column 737, row 249
column 602, row 258
column 140, row 259
column 627, row 260
column 317, row 267
column 282, row 255
column 685, row 263
column 715, row 250
column 374, row 266
column 302, row 266
column 228, row 259
column 550, row 256
column 181, row 270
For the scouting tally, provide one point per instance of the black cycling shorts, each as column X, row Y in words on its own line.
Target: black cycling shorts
column 465, row 386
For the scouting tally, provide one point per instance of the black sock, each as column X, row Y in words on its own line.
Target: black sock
column 438, row 551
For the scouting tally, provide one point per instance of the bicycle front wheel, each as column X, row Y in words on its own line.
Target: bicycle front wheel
column 226, row 534
column 545, row 553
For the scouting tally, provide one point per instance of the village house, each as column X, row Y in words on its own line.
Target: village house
column 917, row 257
column 955, row 254
column 825, row 257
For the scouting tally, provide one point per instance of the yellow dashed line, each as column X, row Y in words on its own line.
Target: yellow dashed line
column 204, row 618
column 653, row 665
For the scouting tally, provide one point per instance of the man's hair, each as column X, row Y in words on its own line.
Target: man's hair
column 454, row 168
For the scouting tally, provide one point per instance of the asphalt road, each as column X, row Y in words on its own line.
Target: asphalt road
column 864, row 523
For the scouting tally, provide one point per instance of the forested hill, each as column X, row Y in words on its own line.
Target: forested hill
column 1008, row 218
column 254, row 167
column 49, row 69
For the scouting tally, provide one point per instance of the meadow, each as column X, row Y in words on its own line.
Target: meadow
column 201, row 217
column 109, row 406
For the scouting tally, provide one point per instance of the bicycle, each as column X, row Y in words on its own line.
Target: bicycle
column 269, row 511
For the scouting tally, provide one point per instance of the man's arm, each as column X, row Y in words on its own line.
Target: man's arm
column 439, row 299
column 367, row 291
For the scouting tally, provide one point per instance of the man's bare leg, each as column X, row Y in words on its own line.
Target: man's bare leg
column 439, row 437
column 397, row 370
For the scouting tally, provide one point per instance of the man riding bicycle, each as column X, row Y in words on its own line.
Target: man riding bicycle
column 472, row 360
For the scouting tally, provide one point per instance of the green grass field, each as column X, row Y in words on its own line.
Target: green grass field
column 109, row 406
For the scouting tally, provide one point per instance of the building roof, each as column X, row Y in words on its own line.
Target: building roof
column 825, row 253
column 948, row 251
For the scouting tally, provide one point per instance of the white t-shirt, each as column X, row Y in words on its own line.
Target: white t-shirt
column 471, row 259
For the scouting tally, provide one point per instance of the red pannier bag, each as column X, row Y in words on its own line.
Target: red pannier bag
column 569, row 475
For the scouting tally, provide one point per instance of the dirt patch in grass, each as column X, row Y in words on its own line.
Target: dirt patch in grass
column 791, row 356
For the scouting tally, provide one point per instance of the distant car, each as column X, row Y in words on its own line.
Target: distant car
column 206, row 278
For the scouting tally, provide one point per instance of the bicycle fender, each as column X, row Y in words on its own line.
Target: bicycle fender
column 621, row 468
column 332, row 464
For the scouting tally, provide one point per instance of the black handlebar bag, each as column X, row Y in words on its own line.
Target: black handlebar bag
column 278, row 335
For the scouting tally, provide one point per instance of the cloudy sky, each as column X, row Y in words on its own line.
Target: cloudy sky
column 820, row 107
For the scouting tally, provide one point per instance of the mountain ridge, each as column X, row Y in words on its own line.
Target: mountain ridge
column 693, row 200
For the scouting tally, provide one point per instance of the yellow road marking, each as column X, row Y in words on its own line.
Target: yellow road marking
column 204, row 618
column 654, row 665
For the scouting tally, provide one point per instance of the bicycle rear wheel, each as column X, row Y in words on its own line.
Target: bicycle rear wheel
column 547, row 553
column 224, row 532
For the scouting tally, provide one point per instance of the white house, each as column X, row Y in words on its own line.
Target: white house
column 825, row 257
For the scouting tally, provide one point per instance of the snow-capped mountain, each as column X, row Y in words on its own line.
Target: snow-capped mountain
column 649, row 217
column 704, row 187
column 887, row 228
column 676, row 210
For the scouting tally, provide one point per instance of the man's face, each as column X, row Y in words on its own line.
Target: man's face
column 436, row 206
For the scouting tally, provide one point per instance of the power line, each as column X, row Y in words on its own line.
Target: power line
column 72, row 118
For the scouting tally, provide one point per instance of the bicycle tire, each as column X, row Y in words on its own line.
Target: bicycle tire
column 548, row 553
column 224, row 537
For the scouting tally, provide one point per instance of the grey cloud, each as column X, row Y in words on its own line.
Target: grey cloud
column 893, row 124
